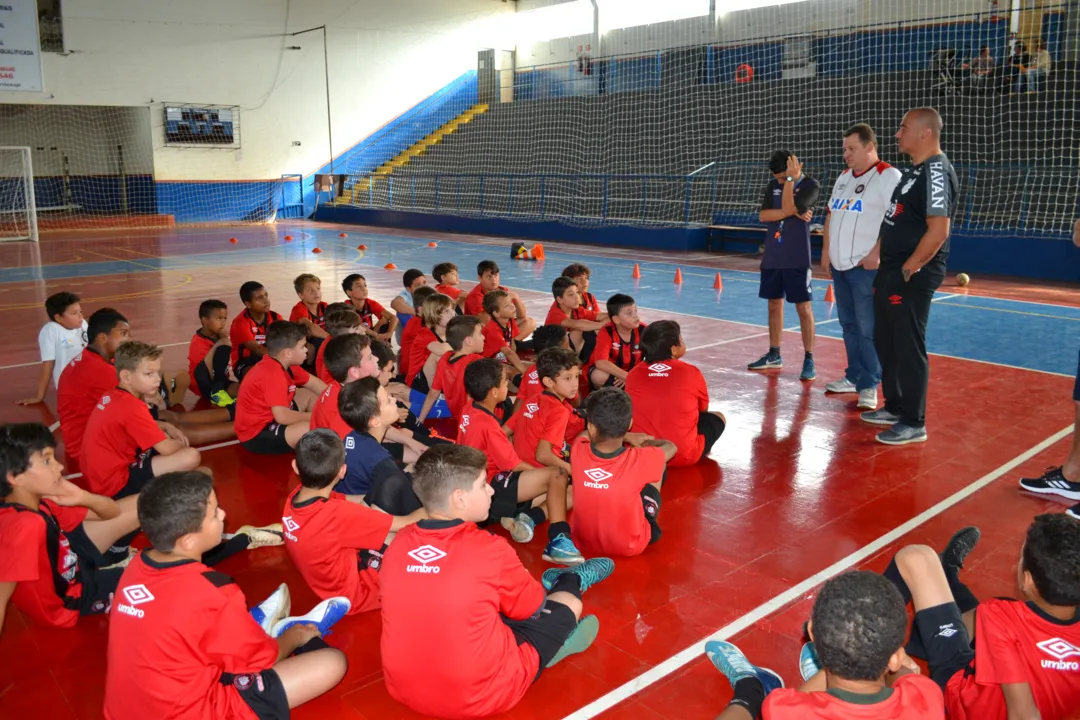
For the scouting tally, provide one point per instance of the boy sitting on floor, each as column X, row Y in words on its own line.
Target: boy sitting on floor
column 210, row 356
column 405, row 302
column 581, row 323
column 500, row 331
column 466, row 340
column 341, row 319
column 60, row 339
column 580, row 274
column 407, row 423
column 543, row 337
column 616, row 488
column 377, row 320
column 671, row 399
column 487, row 273
column 411, row 328
column 248, row 330
column 447, row 281
column 268, row 421
column 350, row 359
column 181, row 640
column 618, row 344
column 547, row 424
column 465, row 629
column 336, row 545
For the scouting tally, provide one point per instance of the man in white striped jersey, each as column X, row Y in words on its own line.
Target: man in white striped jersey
column 859, row 200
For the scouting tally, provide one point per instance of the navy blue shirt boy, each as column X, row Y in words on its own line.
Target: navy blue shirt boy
column 787, row 241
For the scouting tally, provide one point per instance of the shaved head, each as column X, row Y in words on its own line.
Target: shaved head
column 928, row 118
column 920, row 133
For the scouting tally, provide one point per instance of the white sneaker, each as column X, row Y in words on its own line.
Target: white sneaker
column 273, row 609
column 868, row 399
column 840, row 386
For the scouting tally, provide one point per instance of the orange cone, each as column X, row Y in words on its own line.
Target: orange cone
column 316, row 250
column 344, row 235
column 288, row 238
column 637, row 272
column 433, row 244
column 361, row 247
column 233, row 240
column 678, row 276
column 829, row 296
column 390, row 266
column 718, row 284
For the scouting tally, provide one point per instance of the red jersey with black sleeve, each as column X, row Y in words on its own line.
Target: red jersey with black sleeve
column 478, row 428
column 447, row 589
column 198, row 349
column 323, row 537
column 419, row 352
column 545, row 418
column 625, row 353
column 244, row 329
column 556, row 314
column 268, row 384
column 38, row 558
column 1018, row 643
column 370, row 313
column 497, row 337
column 912, row 697
column 668, row 396
column 589, row 302
column 451, row 291
column 608, row 516
column 174, row 628
column 450, row 380
column 413, row 326
column 82, row 383
column 320, row 363
column 474, row 301
column 300, row 312
column 119, row 430
column 325, row 413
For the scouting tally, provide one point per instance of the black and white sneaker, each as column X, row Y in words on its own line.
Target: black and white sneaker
column 1074, row 511
column 959, row 546
column 1052, row 482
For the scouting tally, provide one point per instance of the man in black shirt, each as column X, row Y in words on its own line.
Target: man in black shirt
column 914, row 245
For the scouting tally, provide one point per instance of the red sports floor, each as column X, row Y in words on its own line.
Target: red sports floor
column 796, row 490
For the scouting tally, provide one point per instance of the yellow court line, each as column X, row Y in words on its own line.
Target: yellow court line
column 1004, row 310
column 126, row 296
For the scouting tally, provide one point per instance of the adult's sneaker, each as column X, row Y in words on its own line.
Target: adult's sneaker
column 322, row 616
column 562, row 551
column 880, row 417
column 901, row 434
column 273, row 609
column 1052, row 482
column 767, row 361
column 579, row 640
column 841, row 386
column 730, row 660
column 867, row 399
column 591, row 572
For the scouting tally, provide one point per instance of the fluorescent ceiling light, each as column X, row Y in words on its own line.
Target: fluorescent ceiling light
column 615, row 14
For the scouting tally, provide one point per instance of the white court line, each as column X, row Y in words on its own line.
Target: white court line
column 673, row 663
column 29, row 364
column 204, row 448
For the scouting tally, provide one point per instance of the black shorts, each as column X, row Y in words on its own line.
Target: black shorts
column 263, row 692
column 245, row 364
column 269, row 441
column 504, row 503
column 791, row 284
column 547, row 632
column 203, row 380
column 140, row 472
column 650, row 505
column 420, row 383
column 1076, row 386
column 396, row 450
column 97, row 584
column 948, row 647
column 712, row 427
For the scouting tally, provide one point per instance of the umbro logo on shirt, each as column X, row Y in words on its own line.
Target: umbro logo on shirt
column 531, row 409
column 659, row 370
column 425, row 555
column 350, row 443
column 1061, row 650
column 291, row 526
column 464, row 423
column 135, row 595
column 596, row 478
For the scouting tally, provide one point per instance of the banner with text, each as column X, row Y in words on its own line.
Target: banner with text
column 20, row 46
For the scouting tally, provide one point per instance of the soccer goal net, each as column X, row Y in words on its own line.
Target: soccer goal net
column 18, row 213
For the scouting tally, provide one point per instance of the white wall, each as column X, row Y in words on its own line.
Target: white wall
column 384, row 58
column 87, row 136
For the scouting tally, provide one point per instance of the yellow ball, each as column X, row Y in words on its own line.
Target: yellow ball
column 962, row 279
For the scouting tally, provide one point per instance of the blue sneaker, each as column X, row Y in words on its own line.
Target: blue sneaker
column 809, row 663
column 766, row 362
column 562, row 551
column 729, row 660
column 591, row 572
column 323, row 616
column 901, row 434
column 808, row 371
column 521, row 528
column 273, row 609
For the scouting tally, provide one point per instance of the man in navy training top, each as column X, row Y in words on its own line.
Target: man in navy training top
column 785, row 266
column 913, row 246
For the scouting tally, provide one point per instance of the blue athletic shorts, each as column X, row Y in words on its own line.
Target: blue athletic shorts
column 791, row 284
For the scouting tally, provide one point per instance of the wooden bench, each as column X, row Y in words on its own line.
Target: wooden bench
column 721, row 232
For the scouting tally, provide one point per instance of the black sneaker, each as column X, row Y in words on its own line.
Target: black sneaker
column 1052, row 482
column 1074, row 511
column 959, row 546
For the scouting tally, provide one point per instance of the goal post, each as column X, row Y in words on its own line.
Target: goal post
column 18, row 208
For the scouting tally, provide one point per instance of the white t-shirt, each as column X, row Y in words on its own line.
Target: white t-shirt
column 856, row 207
column 60, row 345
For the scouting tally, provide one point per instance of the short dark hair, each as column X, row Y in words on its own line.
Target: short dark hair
column 576, row 270
column 617, row 302
column 58, row 303
column 282, row 335
column 486, row 266
column 560, row 285
column 302, row 281
column 102, row 322
column 350, row 280
column 173, row 505
column 859, row 622
column 206, row 307
column 442, row 269
column 358, row 403
column 319, row 457
column 491, row 300
column 547, row 336
column 421, row 294
column 18, row 442
column 482, row 376
column 459, row 329
column 778, row 161
column 248, row 290
column 411, row 275
column 658, row 338
column 1052, row 556
column 554, row 360
column 341, row 320
column 865, row 132
column 343, row 352
column 610, row 411
column 133, row 352
column 335, row 306
column 442, row 469
column 383, row 352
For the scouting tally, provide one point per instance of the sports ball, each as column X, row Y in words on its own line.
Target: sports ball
column 962, row 279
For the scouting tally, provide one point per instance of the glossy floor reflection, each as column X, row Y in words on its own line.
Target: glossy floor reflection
column 795, row 484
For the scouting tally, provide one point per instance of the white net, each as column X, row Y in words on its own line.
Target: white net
column 673, row 122
column 17, row 217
